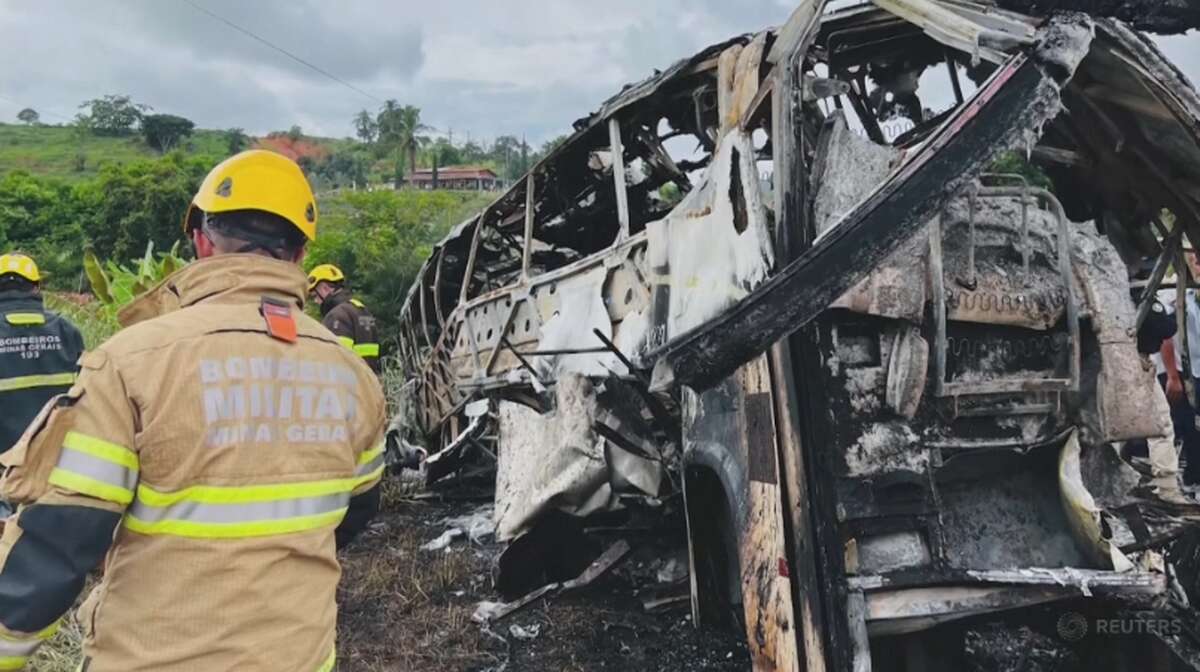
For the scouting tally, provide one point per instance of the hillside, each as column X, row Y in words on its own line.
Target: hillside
column 66, row 153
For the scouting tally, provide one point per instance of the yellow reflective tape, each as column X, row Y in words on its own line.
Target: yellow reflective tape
column 45, row 634
column 13, row 663
column 50, row 631
column 327, row 666
column 346, row 341
column 14, row 648
column 369, row 455
column 101, row 449
column 367, row 478
column 259, row 528
column 25, row 319
column 44, row 380
column 367, row 349
column 89, row 486
column 208, row 494
column 358, row 304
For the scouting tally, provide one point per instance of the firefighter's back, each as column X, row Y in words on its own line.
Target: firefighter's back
column 38, row 352
column 249, row 448
column 355, row 327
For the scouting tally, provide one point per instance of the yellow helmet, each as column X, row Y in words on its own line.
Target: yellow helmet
column 324, row 273
column 21, row 265
column 257, row 180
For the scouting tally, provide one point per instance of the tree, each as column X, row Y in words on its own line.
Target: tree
column 473, row 152
column 236, row 140
column 410, row 134
column 385, row 120
column 442, row 153
column 118, row 211
column 30, row 206
column 552, row 144
column 29, row 116
column 344, row 168
column 164, row 131
column 548, row 148
column 127, row 205
column 366, row 127
column 382, row 237
column 388, row 126
column 512, row 154
column 295, row 133
column 111, row 115
column 400, row 128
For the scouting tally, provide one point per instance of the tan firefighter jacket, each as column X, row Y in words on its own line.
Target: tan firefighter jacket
column 208, row 464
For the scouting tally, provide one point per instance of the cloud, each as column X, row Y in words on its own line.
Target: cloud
column 180, row 60
column 1184, row 51
column 519, row 67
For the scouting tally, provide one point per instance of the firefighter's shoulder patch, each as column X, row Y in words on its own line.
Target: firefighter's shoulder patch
column 281, row 325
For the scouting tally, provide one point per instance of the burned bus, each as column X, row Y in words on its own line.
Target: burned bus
column 859, row 288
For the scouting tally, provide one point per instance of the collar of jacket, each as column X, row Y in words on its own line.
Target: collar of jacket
column 334, row 300
column 13, row 301
column 225, row 278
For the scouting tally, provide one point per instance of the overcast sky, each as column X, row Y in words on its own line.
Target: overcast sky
column 474, row 67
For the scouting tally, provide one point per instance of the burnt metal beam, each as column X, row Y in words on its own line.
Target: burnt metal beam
column 1169, row 246
column 954, row 81
column 524, row 362
column 618, row 171
column 1155, row 16
column 1020, row 96
column 820, row 629
column 527, row 246
column 652, row 402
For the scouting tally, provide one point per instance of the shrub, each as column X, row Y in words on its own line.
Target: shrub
column 381, row 238
column 116, row 285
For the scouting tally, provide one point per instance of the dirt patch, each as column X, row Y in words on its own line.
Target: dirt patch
column 403, row 608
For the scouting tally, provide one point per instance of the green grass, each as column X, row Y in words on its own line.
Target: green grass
column 52, row 151
column 63, row 652
column 86, row 313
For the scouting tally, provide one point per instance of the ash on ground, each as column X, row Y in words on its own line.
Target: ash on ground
column 403, row 608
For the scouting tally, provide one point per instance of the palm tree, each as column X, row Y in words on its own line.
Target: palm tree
column 387, row 121
column 401, row 128
column 366, row 127
column 411, row 140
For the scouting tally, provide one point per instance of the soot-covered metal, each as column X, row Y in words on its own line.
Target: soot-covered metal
column 859, row 292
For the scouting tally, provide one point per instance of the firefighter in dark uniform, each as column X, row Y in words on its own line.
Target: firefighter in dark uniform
column 343, row 314
column 38, row 349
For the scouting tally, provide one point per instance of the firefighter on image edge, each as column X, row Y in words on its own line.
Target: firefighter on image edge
column 1171, row 376
column 39, row 350
column 214, row 455
column 344, row 315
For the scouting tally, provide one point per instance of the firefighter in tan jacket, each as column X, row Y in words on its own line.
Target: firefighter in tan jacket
column 213, row 455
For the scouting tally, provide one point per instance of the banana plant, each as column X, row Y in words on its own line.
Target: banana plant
column 116, row 285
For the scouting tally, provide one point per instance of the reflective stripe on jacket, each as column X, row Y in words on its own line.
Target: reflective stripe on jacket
column 210, row 465
column 38, row 355
column 353, row 324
